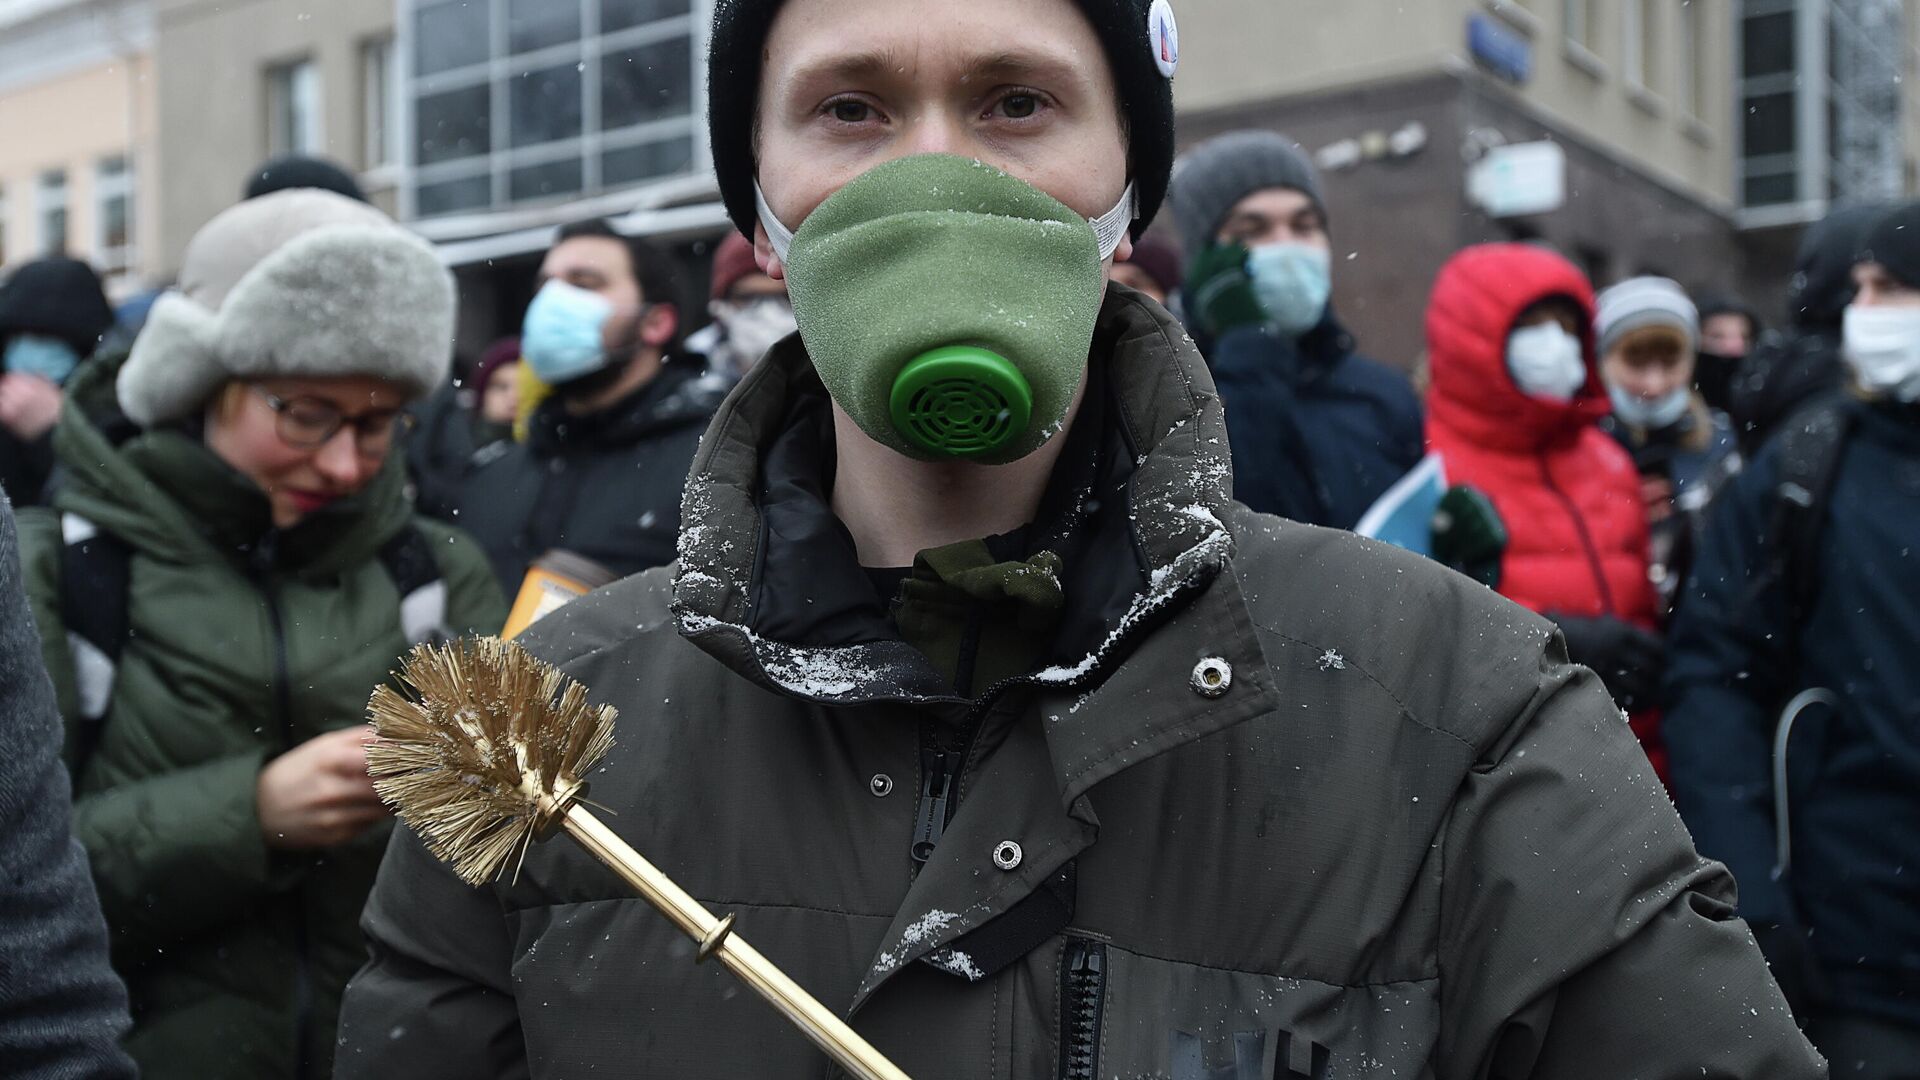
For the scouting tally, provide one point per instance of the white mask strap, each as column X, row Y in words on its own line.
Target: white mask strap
column 778, row 235
column 1109, row 228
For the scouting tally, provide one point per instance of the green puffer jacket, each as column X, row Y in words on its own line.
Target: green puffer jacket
column 245, row 642
column 1274, row 801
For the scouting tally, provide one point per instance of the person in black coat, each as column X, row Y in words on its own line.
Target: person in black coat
column 1794, row 656
column 62, row 1009
column 52, row 315
column 606, row 455
column 1319, row 432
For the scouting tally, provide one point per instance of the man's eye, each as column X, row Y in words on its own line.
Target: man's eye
column 1019, row 106
column 850, row 112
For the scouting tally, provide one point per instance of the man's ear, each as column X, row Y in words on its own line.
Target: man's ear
column 1124, row 253
column 763, row 255
column 658, row 325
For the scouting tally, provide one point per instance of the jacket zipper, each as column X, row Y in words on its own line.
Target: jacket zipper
column 264, row 557
column 1586, row 539
column 937, row 769
column 1083, row 996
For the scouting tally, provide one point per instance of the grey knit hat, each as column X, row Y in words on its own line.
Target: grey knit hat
column 297, row 283
column 1638, row 303
column 1210, row 178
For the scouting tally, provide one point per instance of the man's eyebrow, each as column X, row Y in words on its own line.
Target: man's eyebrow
column 1021, row 64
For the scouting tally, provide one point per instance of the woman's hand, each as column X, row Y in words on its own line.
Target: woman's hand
column 29, row 405
column 318, row 795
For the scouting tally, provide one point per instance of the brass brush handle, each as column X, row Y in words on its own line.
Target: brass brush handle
column 715, row 937
column 483, row 748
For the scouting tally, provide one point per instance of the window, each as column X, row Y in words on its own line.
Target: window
column 1641, row 44
column 379, row 134
column 1769, row 94
column 1693, row 57
column 293, row 109
column 113, row 214
column 1578, row 17
column 53, row 212
column 517, row 101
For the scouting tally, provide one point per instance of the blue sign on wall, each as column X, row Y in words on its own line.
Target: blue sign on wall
column 1499, row 48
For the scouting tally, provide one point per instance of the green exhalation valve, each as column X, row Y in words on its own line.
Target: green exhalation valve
column 961, row 401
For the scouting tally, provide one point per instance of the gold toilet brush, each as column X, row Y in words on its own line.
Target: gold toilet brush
column 482, row 751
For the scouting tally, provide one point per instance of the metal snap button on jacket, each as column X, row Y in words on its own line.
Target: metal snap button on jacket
column 881, row 785
column 1211, row 677
column 1006, row 855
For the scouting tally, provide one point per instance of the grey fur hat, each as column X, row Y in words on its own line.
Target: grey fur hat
column 296, row 283
column 1210, row 178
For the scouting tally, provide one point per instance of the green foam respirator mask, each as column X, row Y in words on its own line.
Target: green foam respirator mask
column 948, row 306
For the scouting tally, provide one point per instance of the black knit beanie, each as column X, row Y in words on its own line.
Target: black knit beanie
column 1146, row 97
column 58, row 297
column 1894, row 242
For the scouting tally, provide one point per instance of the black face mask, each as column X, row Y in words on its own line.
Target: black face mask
column 1713, row 376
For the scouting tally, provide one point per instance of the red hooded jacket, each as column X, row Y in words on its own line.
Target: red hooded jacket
column 1566, row 491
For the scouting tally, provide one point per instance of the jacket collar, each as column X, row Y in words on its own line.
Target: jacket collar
column 676, row 397
column 1159, row 504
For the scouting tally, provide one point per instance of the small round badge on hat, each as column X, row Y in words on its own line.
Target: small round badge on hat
column 1164, row 35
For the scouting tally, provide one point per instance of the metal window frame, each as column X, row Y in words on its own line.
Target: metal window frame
column 501, row 159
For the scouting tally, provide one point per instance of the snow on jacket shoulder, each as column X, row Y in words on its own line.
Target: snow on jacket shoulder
column 1407, row 837
column 1567, row 492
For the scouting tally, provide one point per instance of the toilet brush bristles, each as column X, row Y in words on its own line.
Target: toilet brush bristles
column 481, row 747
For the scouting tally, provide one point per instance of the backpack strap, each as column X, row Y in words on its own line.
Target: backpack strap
column 1810, row 452
column 95, row 567
column 408, row 559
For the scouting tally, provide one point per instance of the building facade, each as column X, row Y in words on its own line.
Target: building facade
column 241, row 83
column 77, row 157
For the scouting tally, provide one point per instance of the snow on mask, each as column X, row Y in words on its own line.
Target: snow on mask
column 561, row 337
column 1546, row 362
column 1882, row 347
column 1293, row 283
column 1653, row 414
column 948, row 306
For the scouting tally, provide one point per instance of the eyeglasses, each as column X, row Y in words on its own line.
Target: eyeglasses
column 309, row 423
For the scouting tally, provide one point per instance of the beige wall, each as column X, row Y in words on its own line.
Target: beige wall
column 213, row 115
column 1234, row 52
column 70, row 122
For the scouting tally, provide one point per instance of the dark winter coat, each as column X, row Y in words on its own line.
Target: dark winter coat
column 1854, row 778
column 446, row 447
column 605, row 486
column 62, row 1009
column 246, row 641
column 1407, row 838
column 1319, row 432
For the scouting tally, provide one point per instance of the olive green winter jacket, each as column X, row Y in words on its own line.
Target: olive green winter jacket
column 244, row 642
column 1275, row 801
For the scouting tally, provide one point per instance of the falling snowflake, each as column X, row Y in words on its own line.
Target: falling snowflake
column 1332, row 661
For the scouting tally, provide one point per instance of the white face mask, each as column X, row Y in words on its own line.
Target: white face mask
column 1882, row 346
column 1546, row 362
column 1654, row 414
column 752, row 327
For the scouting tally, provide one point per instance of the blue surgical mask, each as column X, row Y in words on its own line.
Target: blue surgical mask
column 1293, row 283
column 36, row 354
column 1654, row 414
column 561, row 337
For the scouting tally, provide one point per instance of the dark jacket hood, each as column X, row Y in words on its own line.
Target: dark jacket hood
column 1477, row 299
column 1822, row 285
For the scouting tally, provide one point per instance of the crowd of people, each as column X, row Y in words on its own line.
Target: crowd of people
column 239, row 509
